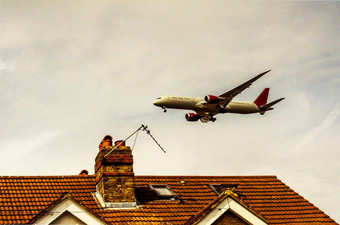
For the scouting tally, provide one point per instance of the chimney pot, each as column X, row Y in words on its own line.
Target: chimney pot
column 107, row 141
column 120, row 141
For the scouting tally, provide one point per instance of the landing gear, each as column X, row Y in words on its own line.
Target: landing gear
column 212, row 118
column 164, row 109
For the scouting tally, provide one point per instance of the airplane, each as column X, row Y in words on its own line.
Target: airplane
column 209, row 106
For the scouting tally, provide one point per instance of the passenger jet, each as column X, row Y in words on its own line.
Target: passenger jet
column 209, row 106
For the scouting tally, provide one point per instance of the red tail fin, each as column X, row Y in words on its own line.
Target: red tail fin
column 262, row 99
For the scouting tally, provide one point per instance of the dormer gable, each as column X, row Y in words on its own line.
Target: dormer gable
column 66, row 210
column 227, row 207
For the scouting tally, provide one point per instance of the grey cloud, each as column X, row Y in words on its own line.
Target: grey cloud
column 84, row 70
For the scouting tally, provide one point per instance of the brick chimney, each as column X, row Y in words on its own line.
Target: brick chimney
column 114, row 175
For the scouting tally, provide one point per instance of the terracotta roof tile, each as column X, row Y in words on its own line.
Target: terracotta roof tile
column 22, row 197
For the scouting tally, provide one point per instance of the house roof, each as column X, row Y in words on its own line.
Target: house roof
column 23, row 197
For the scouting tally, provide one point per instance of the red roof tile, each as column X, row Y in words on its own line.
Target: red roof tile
column 23, row 197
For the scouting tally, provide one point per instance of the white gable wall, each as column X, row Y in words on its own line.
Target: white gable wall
column 67, row 218
column 78, row 213
column 236, row 207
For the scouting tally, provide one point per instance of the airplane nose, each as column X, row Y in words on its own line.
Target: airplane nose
column 157, row 102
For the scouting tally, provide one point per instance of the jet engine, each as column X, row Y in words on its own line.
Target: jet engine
column 211, row 99
column 192, row 117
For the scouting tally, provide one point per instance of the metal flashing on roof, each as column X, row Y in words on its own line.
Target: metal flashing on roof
column 113, row 205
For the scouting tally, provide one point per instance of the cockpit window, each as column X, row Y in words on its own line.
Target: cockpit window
column 158, row 98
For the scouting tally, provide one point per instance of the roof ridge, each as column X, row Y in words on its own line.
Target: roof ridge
column 210, row 176
column 47, row 176
column 146, row 176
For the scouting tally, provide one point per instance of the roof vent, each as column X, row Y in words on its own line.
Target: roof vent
column 84, row 173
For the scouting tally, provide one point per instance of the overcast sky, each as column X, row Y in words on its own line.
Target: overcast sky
column 73, row 71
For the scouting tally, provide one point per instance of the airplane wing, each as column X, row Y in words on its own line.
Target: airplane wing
column 228, row 96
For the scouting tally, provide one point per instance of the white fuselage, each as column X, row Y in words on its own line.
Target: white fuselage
column 198, row 104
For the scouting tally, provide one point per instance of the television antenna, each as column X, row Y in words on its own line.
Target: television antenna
column 141, row 128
